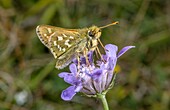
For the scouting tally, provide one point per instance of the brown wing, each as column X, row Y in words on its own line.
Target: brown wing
column 58, row 40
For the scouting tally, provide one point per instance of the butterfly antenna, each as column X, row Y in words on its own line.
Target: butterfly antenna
column 111, row 24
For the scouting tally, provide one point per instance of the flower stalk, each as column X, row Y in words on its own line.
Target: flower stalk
column 102, row 97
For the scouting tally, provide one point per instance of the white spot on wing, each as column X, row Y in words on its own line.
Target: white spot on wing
column 60, row 38
column 67, row 40
column 64, row 35
column 66, row 43
column 58, row 46
column 53, row 53
column 55, row 43
column 60, row 49
column 37, row 29
column 51, row 36
column 64, row 49
column 45, row 34
column 71, row 37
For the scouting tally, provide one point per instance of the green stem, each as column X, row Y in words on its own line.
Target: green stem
column 104, row 101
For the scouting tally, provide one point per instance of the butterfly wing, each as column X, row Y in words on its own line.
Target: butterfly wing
column 58, row 40
column 63, row 43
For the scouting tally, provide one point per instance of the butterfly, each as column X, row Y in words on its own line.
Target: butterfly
column 67, row 44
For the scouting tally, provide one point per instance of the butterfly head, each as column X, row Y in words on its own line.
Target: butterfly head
column 94, row 32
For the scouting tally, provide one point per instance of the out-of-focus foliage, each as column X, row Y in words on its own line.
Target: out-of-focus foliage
column 29, row 81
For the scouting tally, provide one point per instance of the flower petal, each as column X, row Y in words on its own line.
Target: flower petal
column 90, row 56
column 75, row 61
column 96, row 74
column 69, row 79
column 68, row 93
column 63, row 74
column 82, row 60
column 73, row 68
column 78, row 88
column 111, row 50
column 109, row 78
column 72, row 79
column 121, row 52
column 111, row 64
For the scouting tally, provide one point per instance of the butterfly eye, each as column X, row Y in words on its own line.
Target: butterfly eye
column 91, row 34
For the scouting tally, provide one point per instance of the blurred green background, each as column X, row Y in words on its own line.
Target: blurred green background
column 29, row 81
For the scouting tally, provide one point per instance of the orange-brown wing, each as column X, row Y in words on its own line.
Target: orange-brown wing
column 58, row 40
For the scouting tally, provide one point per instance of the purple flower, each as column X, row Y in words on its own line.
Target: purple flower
column 92, row 79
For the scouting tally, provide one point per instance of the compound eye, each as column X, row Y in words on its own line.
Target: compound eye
column 91, row 34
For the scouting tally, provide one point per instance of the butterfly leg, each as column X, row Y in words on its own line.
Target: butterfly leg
column 86, row 57
column 78, row 63
column 101, row 44
column 96, row 54
column 100, row 54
